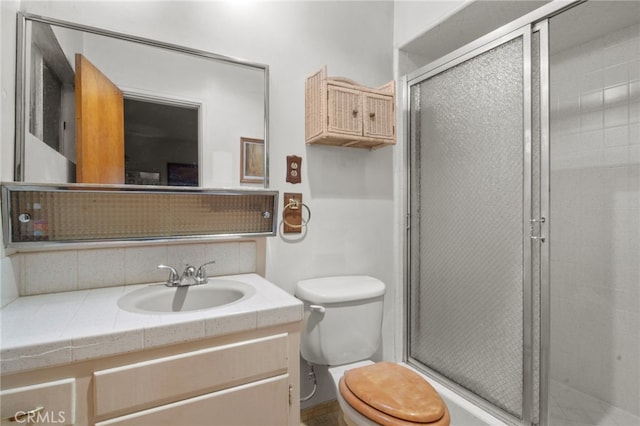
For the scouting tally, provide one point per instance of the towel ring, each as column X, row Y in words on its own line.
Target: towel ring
column 294, row 205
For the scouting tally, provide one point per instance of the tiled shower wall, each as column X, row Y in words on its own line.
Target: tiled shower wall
column 79, row 269
column 595, row 232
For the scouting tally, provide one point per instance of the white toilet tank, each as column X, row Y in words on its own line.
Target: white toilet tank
column 343, row 318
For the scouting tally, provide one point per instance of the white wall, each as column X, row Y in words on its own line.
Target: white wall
column 413, row 18
column 8, row 265
column 349, row 191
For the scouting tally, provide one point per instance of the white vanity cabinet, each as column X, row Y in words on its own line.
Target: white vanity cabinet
column 249, row 378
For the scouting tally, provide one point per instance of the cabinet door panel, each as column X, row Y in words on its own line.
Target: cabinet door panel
column 155, row 382
column 314, row 116
column 260, row 403
column 57, row 400
column 379, row 119
column 345, row 110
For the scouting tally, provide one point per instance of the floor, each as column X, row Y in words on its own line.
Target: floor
column 569, row 407
column 326, row 414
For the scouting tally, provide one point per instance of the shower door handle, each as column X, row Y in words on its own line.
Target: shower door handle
column 540, row 222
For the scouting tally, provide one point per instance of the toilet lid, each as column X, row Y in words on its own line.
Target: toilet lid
column 397, row 391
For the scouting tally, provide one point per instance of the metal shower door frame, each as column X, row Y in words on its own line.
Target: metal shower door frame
column 542, row 28
column 464, row 54
column 535, row 21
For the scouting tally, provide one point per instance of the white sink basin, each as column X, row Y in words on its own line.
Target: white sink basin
column 158, row 298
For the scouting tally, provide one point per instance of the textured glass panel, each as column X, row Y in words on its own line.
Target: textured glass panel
column 467, row 301
column 535, row 213
column 43, row 214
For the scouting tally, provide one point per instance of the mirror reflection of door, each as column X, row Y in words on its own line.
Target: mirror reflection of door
column 161, row 141
column 99, row 126
column 125, row 139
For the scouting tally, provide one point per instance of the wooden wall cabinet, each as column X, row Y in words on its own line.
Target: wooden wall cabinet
column 339, row 111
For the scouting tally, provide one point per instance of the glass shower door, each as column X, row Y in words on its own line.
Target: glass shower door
column 469, row 287
column 594, row 60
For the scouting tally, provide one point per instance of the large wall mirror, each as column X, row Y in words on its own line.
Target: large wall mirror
column 94, row 106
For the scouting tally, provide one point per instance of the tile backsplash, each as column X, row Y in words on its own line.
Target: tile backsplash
column 79, row 269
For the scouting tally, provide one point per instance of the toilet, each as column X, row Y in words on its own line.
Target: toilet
column 343, row 323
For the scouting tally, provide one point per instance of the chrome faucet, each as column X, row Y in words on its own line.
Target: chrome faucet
column 190, row 275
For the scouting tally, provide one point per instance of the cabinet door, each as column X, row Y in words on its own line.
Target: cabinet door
column 345, row 110
column 379, row 118
column 262, row 403
column 44, row 403
column 153, row 382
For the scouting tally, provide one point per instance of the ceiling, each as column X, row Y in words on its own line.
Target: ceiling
column 475, row 20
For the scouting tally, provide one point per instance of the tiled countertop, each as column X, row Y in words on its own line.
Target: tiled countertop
column 61, row 328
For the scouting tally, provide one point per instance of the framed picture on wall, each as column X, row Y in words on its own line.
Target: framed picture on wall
column 251, row 160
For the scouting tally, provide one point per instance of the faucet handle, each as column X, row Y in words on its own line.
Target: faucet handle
column 201, row 274
column 173, row 279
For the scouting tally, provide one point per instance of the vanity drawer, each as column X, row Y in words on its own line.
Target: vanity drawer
column 262, row 403
column 164, row 380
column 57, row 400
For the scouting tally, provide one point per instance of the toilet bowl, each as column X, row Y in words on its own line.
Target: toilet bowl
column 351, row 415
column 431, row 407
column 343, row 323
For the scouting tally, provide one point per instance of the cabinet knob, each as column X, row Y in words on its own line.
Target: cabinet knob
column 372, row 114
column 355, row 112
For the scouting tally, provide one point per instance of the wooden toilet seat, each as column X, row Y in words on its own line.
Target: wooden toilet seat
column 393, row 395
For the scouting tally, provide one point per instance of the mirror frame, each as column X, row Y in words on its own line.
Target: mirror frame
column 22, row 98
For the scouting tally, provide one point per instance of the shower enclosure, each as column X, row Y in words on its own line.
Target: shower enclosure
column 523, row 269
